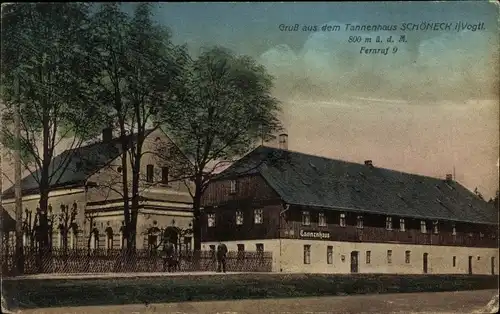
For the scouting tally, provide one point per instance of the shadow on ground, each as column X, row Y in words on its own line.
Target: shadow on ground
column 24, row 294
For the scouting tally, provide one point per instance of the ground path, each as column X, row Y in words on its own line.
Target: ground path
column 428, row 302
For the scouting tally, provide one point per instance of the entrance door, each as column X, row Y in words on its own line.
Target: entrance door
column 354, row 261
column 470, row 265
column 425, row 262
column 492, row 265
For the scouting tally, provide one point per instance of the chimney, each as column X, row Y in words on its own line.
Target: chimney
column 449, row 177
column 369, row 163
column 283, row 141
column 107, row 134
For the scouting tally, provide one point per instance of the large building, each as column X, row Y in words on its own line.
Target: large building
column 92, row 180
column 322, row 215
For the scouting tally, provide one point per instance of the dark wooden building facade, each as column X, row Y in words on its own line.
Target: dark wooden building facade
column 297, row 205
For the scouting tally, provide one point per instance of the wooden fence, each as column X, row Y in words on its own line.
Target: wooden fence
column 116, row 260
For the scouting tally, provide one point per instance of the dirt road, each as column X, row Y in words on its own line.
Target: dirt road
column 437, row 302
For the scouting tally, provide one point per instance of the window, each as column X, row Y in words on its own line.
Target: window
column 164, row 175
column 360, row 222
column 321, row 220
column 241, row 247
column 258, row 216
column 342, row 220
column 233, row 186
column 211, row 220
column 401, row 224
column 329, row 254
column 239, row 218
column 307, row 254
column 423, row 226
column 435, row 226
column 407, row 257
column 72, row 240
column 481, row 235
column 388, row 223
column 152, row 241
column 454, row 261
column 306, row 219
column 187, row 243
column 150, row 173
column 60, row 239
column 368, row 256
column 389, row 256
column 454, row 229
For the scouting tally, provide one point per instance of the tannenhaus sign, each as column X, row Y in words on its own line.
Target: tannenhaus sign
column 314, row 234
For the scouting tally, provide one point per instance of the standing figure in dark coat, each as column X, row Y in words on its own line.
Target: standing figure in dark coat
column 221, row 257
column 169, row 257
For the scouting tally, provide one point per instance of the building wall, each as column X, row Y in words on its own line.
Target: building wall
column 56, row 199
column 103, row 204
column 146, row 219
column 110, row 183
column 440, row 258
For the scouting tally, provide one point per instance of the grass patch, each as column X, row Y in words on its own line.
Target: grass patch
column 61, row 293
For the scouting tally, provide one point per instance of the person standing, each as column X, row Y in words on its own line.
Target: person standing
column 221, row 257
column 168, row 256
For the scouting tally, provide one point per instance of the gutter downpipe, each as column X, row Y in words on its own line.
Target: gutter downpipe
column 286, row 208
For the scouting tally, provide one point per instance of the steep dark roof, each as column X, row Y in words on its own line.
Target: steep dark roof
column 314, row 181
column 83, row 162
column 7, row 223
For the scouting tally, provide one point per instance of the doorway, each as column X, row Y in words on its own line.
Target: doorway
column 354, row 261
column 470, row 265
column 492, row 265
column 425, row 262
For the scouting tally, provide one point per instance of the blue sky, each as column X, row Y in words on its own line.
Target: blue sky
column 428, row 108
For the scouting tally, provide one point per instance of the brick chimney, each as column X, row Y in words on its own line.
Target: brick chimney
column 107, row 134
column 283, row 141
column 369, row 163
column 449, row 177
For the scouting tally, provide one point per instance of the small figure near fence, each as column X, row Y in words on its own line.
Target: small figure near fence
column 221, row 257
column 170, row 262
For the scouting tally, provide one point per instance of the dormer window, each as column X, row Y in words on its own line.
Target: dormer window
column 388, row 223
column 149, row 173
column 423, row 226
column 435, row 226
column 359, row 222
column 342, row 220
column 232, row 189
column 401, row 224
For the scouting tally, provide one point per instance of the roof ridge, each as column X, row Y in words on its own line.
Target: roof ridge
column 355, row 163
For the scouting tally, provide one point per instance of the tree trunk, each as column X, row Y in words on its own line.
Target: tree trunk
column 197, row 214
column 126, row 206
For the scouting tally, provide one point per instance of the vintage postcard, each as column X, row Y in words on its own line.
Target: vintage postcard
column 250, row 157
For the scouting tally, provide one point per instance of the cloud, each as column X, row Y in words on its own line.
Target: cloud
column 447, row 66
